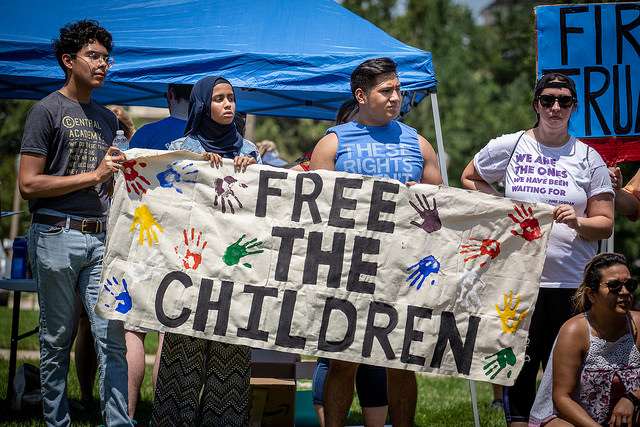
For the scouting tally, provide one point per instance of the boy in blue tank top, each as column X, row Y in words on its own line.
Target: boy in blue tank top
column 375, row 144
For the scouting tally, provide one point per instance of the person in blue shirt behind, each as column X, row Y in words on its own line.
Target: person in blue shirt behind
column 158, row 135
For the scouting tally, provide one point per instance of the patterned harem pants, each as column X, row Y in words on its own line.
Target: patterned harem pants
column 186, row 365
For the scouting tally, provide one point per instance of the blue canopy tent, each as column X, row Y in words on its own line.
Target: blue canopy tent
column 286, row 58
column 290, row 58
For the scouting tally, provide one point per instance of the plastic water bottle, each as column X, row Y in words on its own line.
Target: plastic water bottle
column 120, row 141
column 19, row 259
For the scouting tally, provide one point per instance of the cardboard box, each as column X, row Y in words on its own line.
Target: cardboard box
column 272, row 402
column 273, row 370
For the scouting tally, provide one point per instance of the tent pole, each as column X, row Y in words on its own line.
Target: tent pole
column 474, row 401
column 442, row 156
column 250, row 127
column 445, row 178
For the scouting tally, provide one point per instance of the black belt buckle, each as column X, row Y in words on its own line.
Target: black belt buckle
column 90, row 226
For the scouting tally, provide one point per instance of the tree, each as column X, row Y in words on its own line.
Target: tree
column 13, row 114
column 293, row 137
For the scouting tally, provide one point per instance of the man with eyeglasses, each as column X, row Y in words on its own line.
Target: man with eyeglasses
column 66, row 169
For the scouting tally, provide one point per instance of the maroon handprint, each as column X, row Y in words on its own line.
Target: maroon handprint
column 132, row 176
column 488, row 247
column 530, row 226
column 193, row 252
column 430, row 219
column 225, row 192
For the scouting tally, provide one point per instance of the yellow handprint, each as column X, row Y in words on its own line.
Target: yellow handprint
column 147, row 221
column 509, row 314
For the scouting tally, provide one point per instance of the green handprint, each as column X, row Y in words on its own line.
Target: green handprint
column 509, row 314
column 503, row 358
column 236, row 251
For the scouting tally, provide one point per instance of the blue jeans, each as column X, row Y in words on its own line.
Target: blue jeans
column 64, row 260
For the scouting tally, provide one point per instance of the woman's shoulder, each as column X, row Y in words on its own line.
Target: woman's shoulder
column 507, row 141
column 502, row 146
column 251, row 150
column 186, row 143
column 583, row 148
column 635, row 320
column 574, row 328
column 573, row 341
column 249, row 144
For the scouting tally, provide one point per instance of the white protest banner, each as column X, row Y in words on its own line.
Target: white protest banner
column 427, row 278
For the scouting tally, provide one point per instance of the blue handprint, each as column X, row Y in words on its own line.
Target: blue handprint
column 172, row 176
column 424, row 267
column 123, row 298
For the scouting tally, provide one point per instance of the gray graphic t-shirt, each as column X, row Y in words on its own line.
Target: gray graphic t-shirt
column 74, row 137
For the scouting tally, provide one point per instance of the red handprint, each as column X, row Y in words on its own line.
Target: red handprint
column 191, row 259
column 530, row 226
column 487, row 247
column 132, row 176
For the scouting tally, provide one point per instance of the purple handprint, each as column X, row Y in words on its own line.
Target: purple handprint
column 224, row 193
column 123, row 298
column 430, row 219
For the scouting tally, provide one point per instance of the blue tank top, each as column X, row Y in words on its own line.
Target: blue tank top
column 390, row 151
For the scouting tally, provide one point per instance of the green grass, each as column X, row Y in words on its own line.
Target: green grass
column 91, row 415
column 28, row 321
column 442, row 401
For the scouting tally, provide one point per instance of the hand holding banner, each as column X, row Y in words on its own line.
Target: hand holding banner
column 426, row 278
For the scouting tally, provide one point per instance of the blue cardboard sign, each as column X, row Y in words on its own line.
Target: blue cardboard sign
column 598, row 45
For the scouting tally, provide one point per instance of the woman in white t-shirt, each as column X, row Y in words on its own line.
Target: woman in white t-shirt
column 546, row 164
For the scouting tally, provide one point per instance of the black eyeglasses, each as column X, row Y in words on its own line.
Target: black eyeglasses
column 95, row 57
column 564, row 101
column 615, row 286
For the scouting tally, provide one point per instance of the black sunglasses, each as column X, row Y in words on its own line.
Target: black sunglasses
column 564, row 101
column 615, row 286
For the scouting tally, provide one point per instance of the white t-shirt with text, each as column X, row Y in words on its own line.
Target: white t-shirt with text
column 568, row 174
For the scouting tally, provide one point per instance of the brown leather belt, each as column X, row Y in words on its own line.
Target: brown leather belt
column 87, row 226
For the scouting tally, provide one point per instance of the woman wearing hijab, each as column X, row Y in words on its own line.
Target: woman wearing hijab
column 190, row 365
column 210, row 126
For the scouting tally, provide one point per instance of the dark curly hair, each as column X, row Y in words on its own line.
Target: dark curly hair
column 592, row 277
column 74, row 36
column 180, row 91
